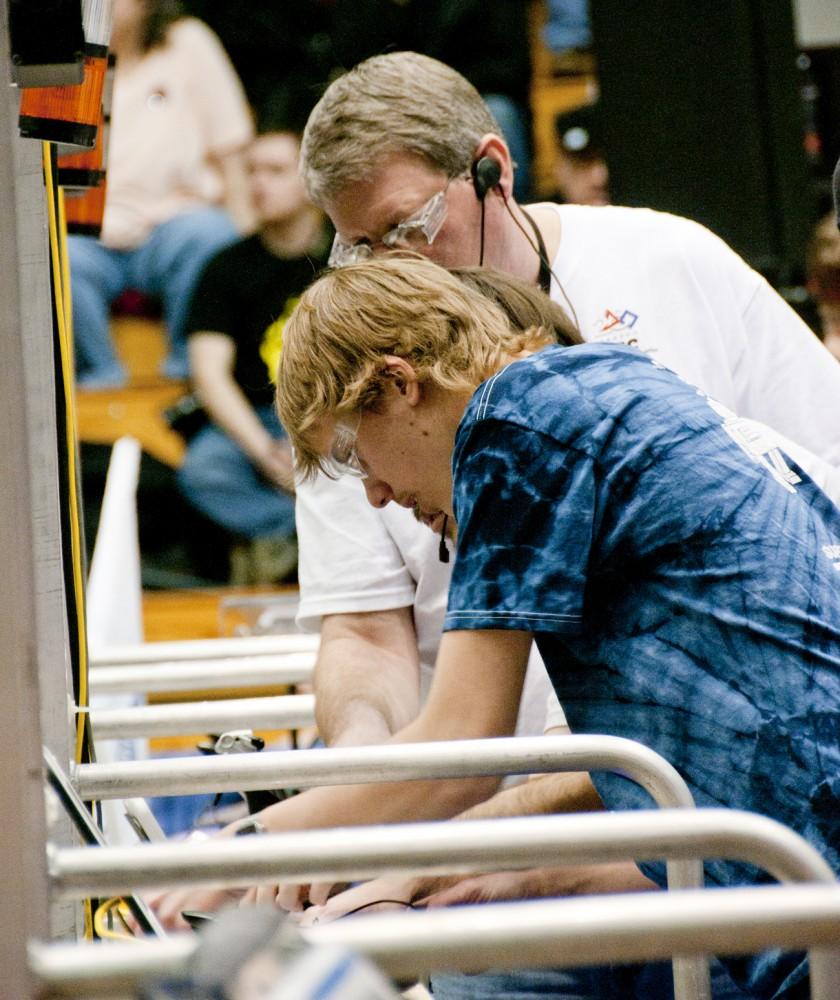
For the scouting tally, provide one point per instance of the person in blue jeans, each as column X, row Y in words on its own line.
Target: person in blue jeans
column 238, row 469
column 175, row 180
column 676, row 568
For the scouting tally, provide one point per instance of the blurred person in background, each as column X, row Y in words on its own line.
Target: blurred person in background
column 176, row 184
column 824, row 280
column 581, row 174
column 238, row 469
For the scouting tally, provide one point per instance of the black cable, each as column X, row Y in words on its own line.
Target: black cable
column 443, row 551
column 539, row 249
column 377, row 902
column 481, row 244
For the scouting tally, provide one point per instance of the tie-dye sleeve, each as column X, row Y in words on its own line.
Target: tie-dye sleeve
column 525, row 508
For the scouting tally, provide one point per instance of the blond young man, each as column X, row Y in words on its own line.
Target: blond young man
column 392, row 152
column 681, row 590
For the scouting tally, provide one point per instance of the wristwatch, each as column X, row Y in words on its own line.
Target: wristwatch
column 251, row 825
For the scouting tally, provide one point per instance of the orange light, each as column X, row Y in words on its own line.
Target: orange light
column 67, row 114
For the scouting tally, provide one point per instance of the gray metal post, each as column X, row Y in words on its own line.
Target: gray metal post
column 23, row 902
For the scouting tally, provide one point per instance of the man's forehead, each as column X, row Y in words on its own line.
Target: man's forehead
column 397, row 185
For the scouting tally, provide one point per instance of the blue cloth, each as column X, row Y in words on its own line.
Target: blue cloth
column 568, row 25
column 166, row 266
column 653, row 981
column 219, row 479
column 683, row 592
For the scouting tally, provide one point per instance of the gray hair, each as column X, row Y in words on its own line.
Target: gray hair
column 401, row 102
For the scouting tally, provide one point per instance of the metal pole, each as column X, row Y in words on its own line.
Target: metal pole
column 635, row 927
column 352, row 765
column 284, row 712
column 471, row 845
column 403, row 762
column 203, row 675
column 205, row 649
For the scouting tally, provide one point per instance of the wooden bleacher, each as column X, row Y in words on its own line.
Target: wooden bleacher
column 105, row 415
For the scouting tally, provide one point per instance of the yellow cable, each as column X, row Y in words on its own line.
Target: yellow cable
column 57, row 236
column 110, row 908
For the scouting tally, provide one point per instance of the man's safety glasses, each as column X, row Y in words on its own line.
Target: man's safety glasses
column 416, row 233
column 342, row 459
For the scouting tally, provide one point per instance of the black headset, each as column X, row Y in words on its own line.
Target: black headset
column 486, row 174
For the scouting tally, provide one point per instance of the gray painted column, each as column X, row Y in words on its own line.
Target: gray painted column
column 32, row 627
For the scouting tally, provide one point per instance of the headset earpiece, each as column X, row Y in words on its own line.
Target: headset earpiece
column 486, row 174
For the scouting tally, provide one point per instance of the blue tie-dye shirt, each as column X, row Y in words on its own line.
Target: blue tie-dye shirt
column 681, row 577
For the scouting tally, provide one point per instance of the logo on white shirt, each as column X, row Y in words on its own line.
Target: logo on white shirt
column 618, row 327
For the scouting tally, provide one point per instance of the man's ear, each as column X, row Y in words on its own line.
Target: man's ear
column 495, row 147
column 403, row 377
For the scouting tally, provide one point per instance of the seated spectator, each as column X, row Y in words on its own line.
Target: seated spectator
column 580, row 169
column 238, row 470
column 824, row 280
column 179, row 124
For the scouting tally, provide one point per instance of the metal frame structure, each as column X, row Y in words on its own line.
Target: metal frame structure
column 204, row 649
column 33, row 639
column 353, row 765
column 632, row 927
column 203, row 674
column 282, row 712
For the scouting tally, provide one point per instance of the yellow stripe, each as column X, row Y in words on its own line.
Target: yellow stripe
column 61, row 288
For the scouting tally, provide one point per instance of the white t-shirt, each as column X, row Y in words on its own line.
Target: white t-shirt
column 633, row 276
column 677, row 291
column 175, row 111
column 355, row 557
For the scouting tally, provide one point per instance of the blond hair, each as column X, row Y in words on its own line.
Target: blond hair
column 450, row 330
column 401, row 102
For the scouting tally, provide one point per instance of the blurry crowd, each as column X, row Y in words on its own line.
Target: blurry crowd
column 206, row 217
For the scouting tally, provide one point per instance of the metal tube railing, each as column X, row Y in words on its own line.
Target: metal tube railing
column 203, row 649
column 204, row 675
column 284, row 712
column 466, row 758
column 329, row 855
column 636, row 927
column 392, row 762
column 445, row 848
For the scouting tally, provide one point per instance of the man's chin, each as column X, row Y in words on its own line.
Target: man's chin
column 437, row 521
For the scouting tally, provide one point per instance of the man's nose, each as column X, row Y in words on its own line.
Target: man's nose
column 378, row 492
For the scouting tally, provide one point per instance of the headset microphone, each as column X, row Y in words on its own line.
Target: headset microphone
column 486, row 174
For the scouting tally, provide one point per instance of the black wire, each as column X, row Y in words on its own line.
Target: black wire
column 377, row 902
column 443, row 551
column 541, row 256
column 481, row 244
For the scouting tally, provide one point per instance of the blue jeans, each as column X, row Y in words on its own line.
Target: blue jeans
column 167, row 266
column 652, row 981
column 218, row 478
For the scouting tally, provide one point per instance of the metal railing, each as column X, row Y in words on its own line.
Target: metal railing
column 635, row 927
column 282, row 712
column 205, row 675
column 458, row 759
column 204, row 649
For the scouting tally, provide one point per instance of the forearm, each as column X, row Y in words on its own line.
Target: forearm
column 542, row 795
column 477, row 686
column 367, row 677
column 230, row 410
column 583, row 880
